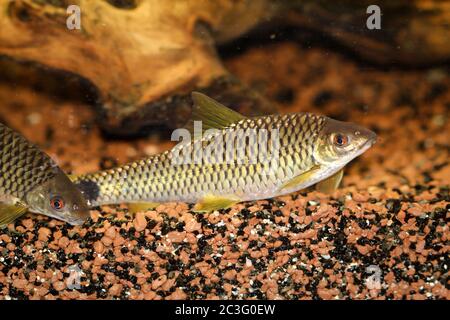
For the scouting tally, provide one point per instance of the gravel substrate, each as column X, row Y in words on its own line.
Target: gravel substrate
column 383, row 235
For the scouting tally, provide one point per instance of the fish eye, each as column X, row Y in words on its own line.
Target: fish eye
column 57, row 203
column 340, row 140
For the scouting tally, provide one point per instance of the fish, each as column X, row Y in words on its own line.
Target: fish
column 31, row 181
column 299, row 150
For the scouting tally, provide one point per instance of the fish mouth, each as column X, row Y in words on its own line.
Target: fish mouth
column 369, row 143
column 76, row 222
column 371, row 140
column 79, row 217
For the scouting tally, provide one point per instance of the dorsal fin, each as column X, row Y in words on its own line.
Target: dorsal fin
column 211, row 113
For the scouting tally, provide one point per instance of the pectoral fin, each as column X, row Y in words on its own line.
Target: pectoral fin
column 299, row 179
column 211, row 203
column 331, row 183
column 9, row 213
column 141, row 206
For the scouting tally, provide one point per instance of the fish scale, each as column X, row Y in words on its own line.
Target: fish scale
column 157, row 179
column 22, row 165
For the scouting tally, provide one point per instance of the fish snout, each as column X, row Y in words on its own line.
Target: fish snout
column 79, row 218
column 372, row 137
column 368, row 136
column 78, row 215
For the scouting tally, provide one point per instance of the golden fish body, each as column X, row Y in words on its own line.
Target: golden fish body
column 241, row 159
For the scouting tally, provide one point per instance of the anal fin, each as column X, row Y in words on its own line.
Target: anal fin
column 141, row 206
column 210, row 203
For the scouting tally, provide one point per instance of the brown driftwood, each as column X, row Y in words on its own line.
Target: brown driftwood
column 142, row 58
column 146, row 56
